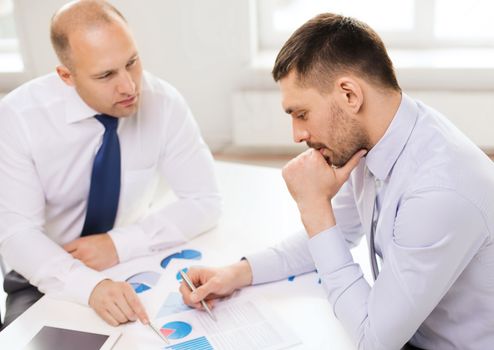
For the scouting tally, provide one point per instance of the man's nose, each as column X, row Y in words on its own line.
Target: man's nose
column 300, row 134
column 126, row 84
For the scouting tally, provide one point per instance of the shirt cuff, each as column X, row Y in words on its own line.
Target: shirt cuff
column 263, row 264
column 330, row 250
column 130, row 242
column 80, row 284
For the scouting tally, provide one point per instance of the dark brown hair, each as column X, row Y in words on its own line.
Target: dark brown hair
column 329, row 45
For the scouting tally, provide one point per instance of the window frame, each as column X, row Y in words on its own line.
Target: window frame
column 15, row 56
column 420, row 37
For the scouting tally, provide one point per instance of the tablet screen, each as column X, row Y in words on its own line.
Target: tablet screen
column 53, row 338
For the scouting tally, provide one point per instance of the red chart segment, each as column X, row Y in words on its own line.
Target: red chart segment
column 176, row 329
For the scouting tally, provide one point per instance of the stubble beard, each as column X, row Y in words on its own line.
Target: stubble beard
column 348, row 137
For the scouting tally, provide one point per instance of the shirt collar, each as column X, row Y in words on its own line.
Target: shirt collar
column 75, row 108
column 382, row 157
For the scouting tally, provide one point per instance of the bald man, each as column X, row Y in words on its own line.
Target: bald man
column 83, row 150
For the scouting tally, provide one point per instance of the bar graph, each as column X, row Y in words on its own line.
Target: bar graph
column 201, row 343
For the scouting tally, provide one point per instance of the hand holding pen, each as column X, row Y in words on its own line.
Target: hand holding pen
column 193, row 289
column 214, row 282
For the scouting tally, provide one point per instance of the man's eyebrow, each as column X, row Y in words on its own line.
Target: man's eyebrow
column 292, row 109
column 108, row 71
column 133, row 57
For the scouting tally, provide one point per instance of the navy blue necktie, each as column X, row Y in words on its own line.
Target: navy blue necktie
column 104, row 191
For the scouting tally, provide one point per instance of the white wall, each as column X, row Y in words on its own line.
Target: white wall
column 201, row 47
column 206, row 48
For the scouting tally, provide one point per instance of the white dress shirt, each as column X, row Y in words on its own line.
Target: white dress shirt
column 434, row 235
column 48, row 140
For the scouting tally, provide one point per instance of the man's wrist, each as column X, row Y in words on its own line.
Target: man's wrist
column 317, row 217
column 243, row 273
column 99, row 284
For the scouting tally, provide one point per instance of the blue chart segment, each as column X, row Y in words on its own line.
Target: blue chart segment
column 179, row 276
column 143, row 281
column 172, row 305
column 201, row 343
column 176, row 329
column 188, row 254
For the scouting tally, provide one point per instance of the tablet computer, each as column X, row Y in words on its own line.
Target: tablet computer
column 54, row 338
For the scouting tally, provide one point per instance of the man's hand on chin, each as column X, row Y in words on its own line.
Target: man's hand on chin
column 312, row 183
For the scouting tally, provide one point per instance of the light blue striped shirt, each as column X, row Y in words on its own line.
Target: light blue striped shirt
column 434, row 235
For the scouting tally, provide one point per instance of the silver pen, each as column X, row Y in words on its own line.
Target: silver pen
column 157, row 331
column 193, row 288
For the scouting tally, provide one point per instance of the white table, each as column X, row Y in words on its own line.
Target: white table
column 258, row 211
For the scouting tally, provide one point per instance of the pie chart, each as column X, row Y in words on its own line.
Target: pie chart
column 179, row 276
column 176, row 329
column 188, row 254
column 143, row 281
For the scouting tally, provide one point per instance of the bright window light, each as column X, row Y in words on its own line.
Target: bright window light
column 10, row 57
column 7, row 27
column 466, row 20
column 289, row 15
column 407, row 24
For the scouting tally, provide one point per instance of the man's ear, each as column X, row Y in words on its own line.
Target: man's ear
column 65, row 74
column 350, row 93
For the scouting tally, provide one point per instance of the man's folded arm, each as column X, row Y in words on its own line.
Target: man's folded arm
column 187, row 166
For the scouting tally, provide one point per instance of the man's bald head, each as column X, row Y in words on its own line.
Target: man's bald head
column 79, row 15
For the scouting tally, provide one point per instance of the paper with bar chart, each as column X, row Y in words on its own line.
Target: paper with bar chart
column 242, row 324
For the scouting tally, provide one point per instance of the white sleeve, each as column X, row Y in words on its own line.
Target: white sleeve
column 289, row 257
column 428, row 251
column 187, row 165
column 346, row 214
column 23, row 244
column 292, row 256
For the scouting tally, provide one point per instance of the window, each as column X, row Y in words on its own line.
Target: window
column 10, row 58
column 417, row 24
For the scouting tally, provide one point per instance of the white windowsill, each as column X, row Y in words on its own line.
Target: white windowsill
column 431, row 69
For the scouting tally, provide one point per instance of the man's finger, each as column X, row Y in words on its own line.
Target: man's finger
column 79, row 255
column 116, row 312
column 211, row 303
column 186, row 293
column 76, row 254
column 126, row 308
column 135, row 304
column 344, row 171
column 203, row 291
column 70, row 247
column 105, row 315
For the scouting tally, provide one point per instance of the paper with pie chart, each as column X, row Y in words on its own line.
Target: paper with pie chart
column 186, row 254
column 143, row 281
column 176, row 329
column 242, row 324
